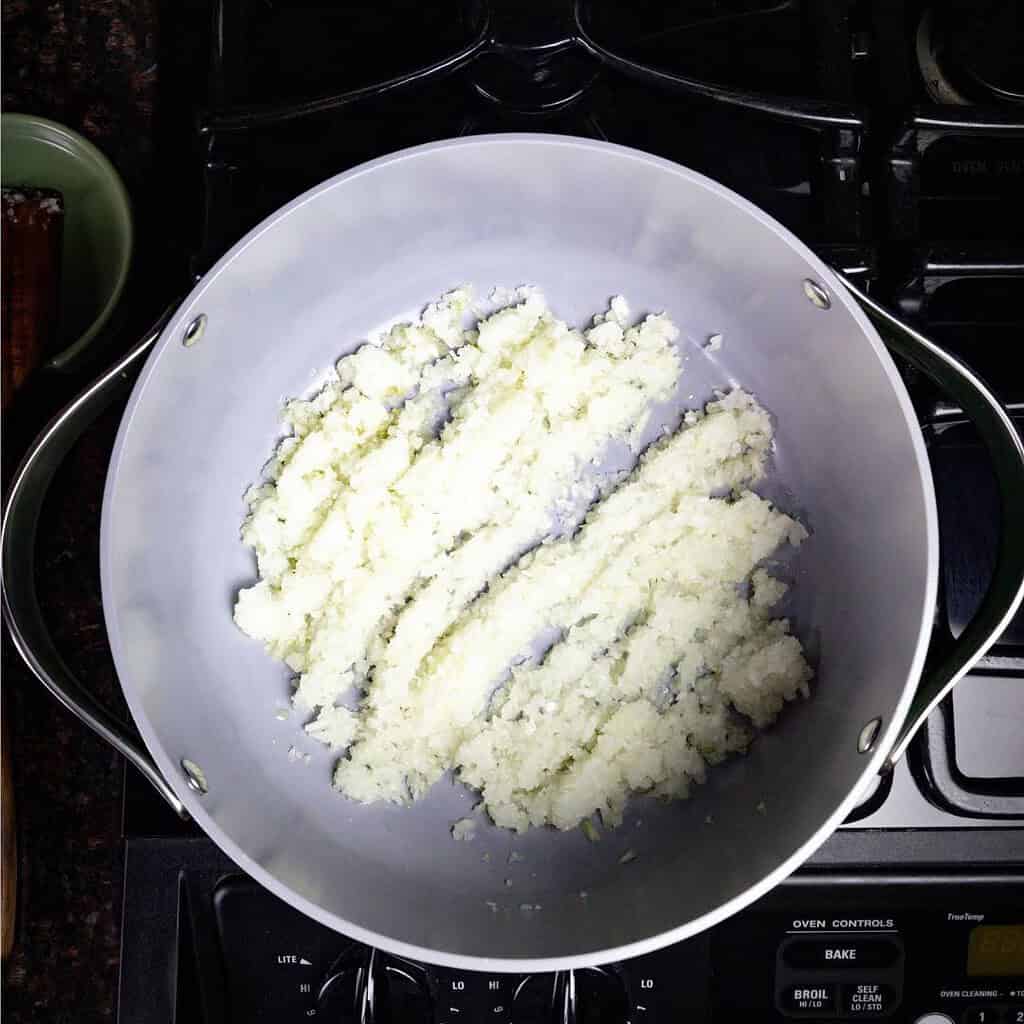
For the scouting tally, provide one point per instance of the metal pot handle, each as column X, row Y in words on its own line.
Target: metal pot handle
column 947, row 666
column 21, row 610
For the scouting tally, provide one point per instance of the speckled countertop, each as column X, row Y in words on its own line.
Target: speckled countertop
column 67, row 783
column 92, row 65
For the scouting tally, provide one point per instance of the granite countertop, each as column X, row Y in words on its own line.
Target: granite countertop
column 92, row 65
column 67, row 783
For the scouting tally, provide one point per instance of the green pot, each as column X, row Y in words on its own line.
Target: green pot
column 98, row 230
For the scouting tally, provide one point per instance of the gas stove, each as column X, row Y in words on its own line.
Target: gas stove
column 889, row 136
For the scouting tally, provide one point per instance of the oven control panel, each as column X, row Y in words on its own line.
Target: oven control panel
column 847, row 968
column 925, row 952
column 905, row 952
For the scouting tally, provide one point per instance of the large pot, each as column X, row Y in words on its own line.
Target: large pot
column 584, row 220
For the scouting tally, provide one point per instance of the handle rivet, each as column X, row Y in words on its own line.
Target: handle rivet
column 194, row 331
column 868, row 735
column 194, row 776
column 817, row 295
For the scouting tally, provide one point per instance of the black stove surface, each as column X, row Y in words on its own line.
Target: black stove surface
column 930, row 929
column 888, row 135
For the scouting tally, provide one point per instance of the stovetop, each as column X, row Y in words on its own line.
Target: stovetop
column 888, row 135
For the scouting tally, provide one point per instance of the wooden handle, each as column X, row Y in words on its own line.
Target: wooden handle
column 32, row 227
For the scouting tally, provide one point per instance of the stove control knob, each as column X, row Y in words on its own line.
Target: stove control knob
column 402, row 993
column 934, row 1018
column 346, row 996
column 365, row 987
column 533, row 1002
column 600, row 997
column 591, row 995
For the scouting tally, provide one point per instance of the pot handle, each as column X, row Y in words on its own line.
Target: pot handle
column 946, row 666
column 21, row 610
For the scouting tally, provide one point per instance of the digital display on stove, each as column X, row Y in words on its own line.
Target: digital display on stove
column 996, row 949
